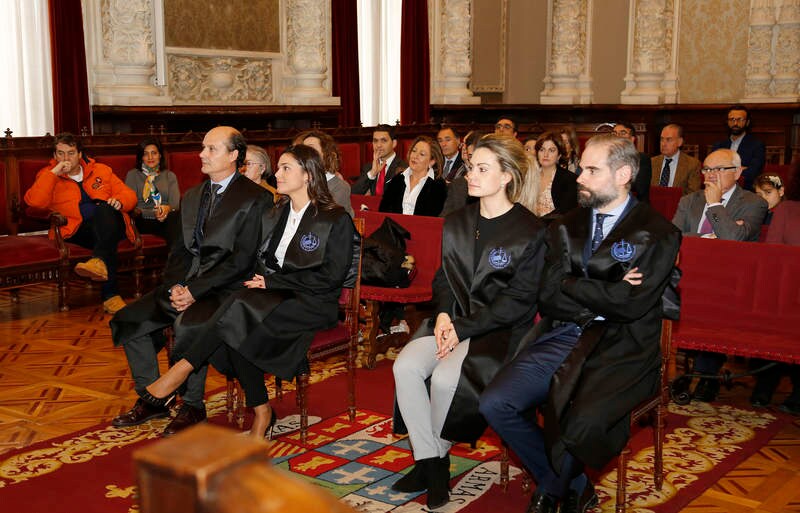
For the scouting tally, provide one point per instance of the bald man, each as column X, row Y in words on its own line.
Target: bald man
column 213, row 256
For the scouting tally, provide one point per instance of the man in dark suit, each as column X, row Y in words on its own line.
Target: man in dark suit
column 214, row 254
column 751, row 150
column 595, row 354
column 450, row 144
column 722, row 210
column 641, row 186
column 673, row 167
column 385, row 163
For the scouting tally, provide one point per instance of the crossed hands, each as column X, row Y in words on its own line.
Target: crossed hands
column 446, row 336
column 180, row 298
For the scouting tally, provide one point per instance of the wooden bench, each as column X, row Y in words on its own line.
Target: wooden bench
column 739, row 298
column 425, row 246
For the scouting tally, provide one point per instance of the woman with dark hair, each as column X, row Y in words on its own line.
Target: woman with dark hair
column 572, row 149
column 305, row 257
column 156, row 189
column 420, row 189
column 485, row 298
column 558, row 188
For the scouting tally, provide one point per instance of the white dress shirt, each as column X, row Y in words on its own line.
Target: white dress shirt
column 288, row 232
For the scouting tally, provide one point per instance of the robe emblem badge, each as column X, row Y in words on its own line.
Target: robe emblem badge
column 309, row 242
column 499, row 259
column 623, row 251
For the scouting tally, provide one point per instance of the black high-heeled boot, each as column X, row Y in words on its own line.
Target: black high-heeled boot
column 415, row 480
column 438, row 477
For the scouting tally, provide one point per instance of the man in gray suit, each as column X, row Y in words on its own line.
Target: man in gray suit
column 673, row 167
column 722, row 210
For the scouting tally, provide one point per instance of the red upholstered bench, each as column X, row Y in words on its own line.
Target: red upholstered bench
column 351, row 160
column 739, row 298
column 426, row 247
column 29, row 260
column 120, row 164
column 665, row 200
column 371, row 202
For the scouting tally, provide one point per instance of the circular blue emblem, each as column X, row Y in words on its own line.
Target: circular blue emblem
column 623, row 251
column 309, row 242
column 498, row 258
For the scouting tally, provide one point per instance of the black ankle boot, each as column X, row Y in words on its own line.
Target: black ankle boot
column 415, row 480
column 438, row 477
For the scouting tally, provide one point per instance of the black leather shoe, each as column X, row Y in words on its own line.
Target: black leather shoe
column 542, row 503
column 187, row 416
column 706, row 390
column 437, row 474
column 790, row 406
column 139, row 414
column 759, row 400
column 573, row 503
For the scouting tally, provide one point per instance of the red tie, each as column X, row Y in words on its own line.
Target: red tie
column 381, row 179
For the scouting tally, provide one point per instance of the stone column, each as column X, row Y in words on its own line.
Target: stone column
column 652, row 52
column 758, row 73
column 786, row 69
column 308, row 46
column 451, row 50
column 568, row 78
column 120, row 52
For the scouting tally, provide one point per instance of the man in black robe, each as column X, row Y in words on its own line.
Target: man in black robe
column 595, row 354
column 214, row 254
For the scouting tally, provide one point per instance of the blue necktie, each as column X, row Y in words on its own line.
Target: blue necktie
column 597, row 238
column 663, row 181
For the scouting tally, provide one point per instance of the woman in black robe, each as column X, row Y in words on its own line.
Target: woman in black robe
column 304, row 261
column 485, row 295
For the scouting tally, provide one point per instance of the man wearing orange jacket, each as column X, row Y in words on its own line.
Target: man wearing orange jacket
column 94, row 202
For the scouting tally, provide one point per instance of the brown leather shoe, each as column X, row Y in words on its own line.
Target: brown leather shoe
column 139, row 414
column 187, row 416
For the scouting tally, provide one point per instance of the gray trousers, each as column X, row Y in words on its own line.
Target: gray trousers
column 424, row 415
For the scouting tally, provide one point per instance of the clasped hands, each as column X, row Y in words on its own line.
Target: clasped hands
column 257, row 282
column 446, row 336
column 180, row 298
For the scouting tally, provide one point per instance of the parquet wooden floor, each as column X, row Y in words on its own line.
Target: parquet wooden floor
column 59, row 373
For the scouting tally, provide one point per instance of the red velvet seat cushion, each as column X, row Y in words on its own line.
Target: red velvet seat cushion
column 333, row 336
column 738, row 342
column 17, row 251
column 150, row 241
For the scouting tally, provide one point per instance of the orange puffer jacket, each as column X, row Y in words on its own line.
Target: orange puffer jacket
column 60, row 194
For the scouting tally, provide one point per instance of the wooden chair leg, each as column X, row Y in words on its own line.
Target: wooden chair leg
column 527, row 481
column 279, row 388
column 14, row 293
column 229, row 392
column 239, row 405
column 504, row 468
column 371, row 324
column 622, row 464
column 658, row 446
column 351, row 378
column 302, row 386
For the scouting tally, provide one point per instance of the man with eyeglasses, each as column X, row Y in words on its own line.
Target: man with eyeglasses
column 751, row 150
column 506, row 127
column 641, row 186
column 722, row 210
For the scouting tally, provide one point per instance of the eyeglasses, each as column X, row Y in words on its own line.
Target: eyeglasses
column 249, row 163
column 706, row 170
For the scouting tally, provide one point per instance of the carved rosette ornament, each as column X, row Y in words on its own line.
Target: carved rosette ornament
column 120, row 52
column 451, row 35
column 196, row 79
column 308, row 35
column 568, row 78
column 652, row 52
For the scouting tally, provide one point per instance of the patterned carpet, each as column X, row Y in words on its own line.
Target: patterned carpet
column 59, row 375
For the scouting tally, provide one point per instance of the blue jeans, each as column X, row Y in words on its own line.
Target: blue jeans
column 509, row 403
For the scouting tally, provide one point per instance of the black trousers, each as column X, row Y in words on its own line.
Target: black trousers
column 102, row 234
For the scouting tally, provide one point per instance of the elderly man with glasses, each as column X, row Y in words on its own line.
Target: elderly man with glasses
column 722, row 210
